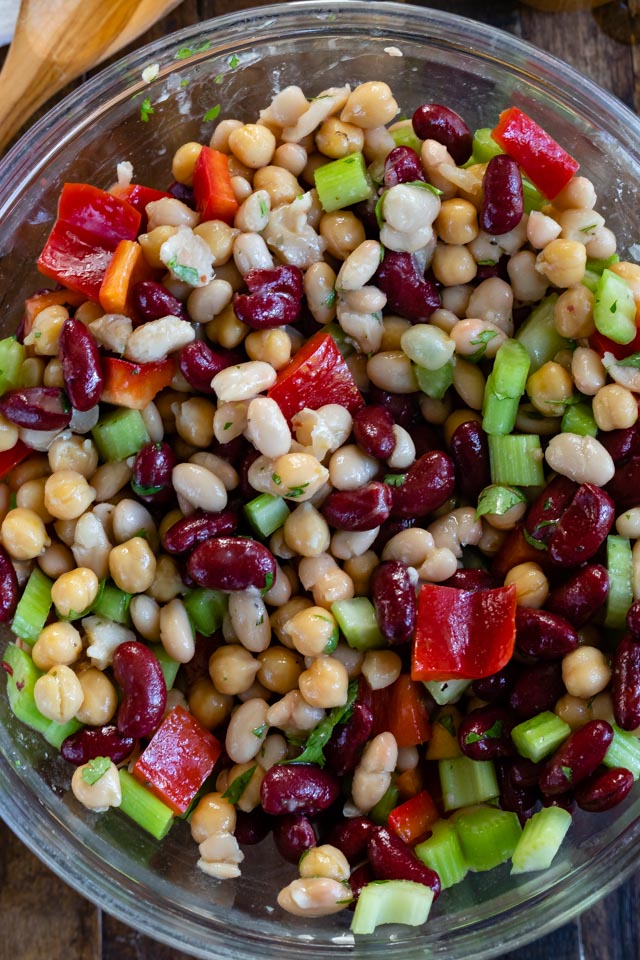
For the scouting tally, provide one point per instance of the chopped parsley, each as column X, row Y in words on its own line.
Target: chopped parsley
column 492, row 733
column 212, row 113
column 446, row 721
column 234, row 61
column 394, row 479
column 95, row 769
column 276, row 479
column 297, row 491
column 218, row 78
column 568, row 773
column 268, row 582
column 183, row 272
column 481, row 341
column 146, row 110
column 237, row 787
column 320, row 736
column 258, row 731
column 227, row 425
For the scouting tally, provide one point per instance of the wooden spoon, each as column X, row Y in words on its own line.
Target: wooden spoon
column 57, row 40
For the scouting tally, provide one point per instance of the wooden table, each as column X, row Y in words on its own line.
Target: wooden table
column 45, row 920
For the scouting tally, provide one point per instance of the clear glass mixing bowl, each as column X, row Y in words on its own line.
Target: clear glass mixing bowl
column 238, row 61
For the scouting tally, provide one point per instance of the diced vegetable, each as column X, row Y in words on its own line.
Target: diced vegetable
column 120, row 434
column 540, row 735
column 33, row 607
column 539, row 335
column 623, row 751
column 266, row 514
column 442, row 852
column 12, row 356
column 620, row 569
column 488, row 836
column 614, row 309
column 391, row 901
column 413, row 818
column 516, row 459
column 12, row 457
column 212, row 189
column 127, row 267
column 343, row 182
column 140, row 805
column 578, row 418
column 135, row 385
column 435, row 383
column 113, row 604
column 505, row 385
column 357, row 621
column 541, row 839
column 543, row 160
column 206, row 609
column 465, row 782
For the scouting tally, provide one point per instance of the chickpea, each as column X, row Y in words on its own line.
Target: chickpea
column 563, row 262
column 532, row 586
column 207, row 704
column 23, row 534
column 615, row 407
column 325, row 861
column 549, row 388
column 573, row 710
column 132, row 565
column 67, row 494
column 585, row 672
column 312, row 631
column 213, row 814
column 57, row 643
column 370, row 105
column 325, row 683
column 342, row 232
column 457, row 221
column 100, row 794
column 100, row 700
column 253, row 145
column 58, row 694
column 75, row 591
column 453, row 264
column 280, row 668
column 232, row 669
column 184, row 161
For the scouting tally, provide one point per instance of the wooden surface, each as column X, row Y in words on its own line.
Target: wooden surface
column 42, row 919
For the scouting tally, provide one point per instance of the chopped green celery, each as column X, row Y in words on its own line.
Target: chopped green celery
column 120, row 434
column 33, row 607
column 532, row 199
column 578, row 418
column 168, row 665
column 590, row 280
column 488, row 836
column 516, row 459
column 442, row 852
column 391, row 901
column 146, row 810
column 597, row 266
column 465, row 782
column 539, row 336
column 484, row 146
column 540, row 735
column 22, row 674
column 343, row 182
column 344, row 343
column 623, row 751
column 505, row 385
column 540, row 840
column 435, row 383
column 12, row 356
column 405, row 136
column 620, row 569
column 113, row 604
column 266, row 514
column 206, row 609
column 357, row 620
column 447, row 691
column 614, row 309
column 387, row 802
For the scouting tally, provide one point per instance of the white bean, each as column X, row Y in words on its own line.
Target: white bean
column 583, row 459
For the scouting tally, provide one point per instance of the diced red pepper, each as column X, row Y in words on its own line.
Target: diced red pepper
column 135, row 385
column 402, row 709
column 98, row 213
column 11, row 458
column 602, row 344
column 413, row 818
column 178, row 759
column 463, row 634
column 214, row 196
column 543, row 160
column 137, row 195
column 316, row 375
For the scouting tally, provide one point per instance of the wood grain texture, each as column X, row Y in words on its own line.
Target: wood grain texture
column 44, row 919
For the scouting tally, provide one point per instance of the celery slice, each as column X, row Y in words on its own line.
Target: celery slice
column 465, row 782
column 505, row 385
column 435, row 383
column 516, row 460
column 540, row 735
column 578, row 418
column 620, row 569
column 113, row 604
column 357, row 620
column 614, row 310
column 442, row 852
column 532, row 199
column 12, row 356
column 391, row 901
column 206, row 609
column 33, row 608
column 343, row 182
column 447, row 691
column 484, row 146
column 623, row 751
column 539, row 336
column 266, row 514
column 488, row 836
column 405, row 136
column 168, row 665
column 540, row 840
column 387, row 802
column 22, row 674
column 146, row 810
column 120, row 434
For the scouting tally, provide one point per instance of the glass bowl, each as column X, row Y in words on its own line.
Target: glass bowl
column 238, row 61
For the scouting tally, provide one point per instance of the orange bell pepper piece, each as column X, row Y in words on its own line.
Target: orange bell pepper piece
column 127, row 267
column 51, row 298
column 135, row 385
column 402, row 710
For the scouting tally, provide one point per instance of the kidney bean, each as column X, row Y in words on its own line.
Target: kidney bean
column 472, row 579
column 604, row 789
column 403, row 407
column 144, row 692
column 199, row 526
column 352, row 836
column 373, row 430
column 394, row 599
column 91, row 742
column 432, row 121
column 428, row 483
column 624, row 485
column 183, row 193
column 620, row 444
column 232, row 563
column 424, row 438
column 402, row 165
column 344, row 747
column 358, row 880
column 485, row 733
column 393, row 859
column 537, row 688
column 409, row 293
column 274, row 298
column 524, row 772
column 516, row 797
column 37, row 408
column 499, row 269
column 293, row 834
column 497, row 686
column 625, row 683
column 633, row 620
column 583, row 526
column 151, row 472
column 252, row 827
column 580, row 597
column 199, row 364
column 543, row 634
column 153, row 301
column 502, row 200
column 361, row 509
column 9, row 592
column 577, row 758
column 546, row 510
column 469, row 450
column 81, row 365
column 298, row 788
column 566, row 801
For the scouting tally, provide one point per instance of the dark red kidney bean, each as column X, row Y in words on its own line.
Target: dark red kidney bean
column 344, row 747
column 252, row 827
column 633, row 620
column 81, row 365
column 537, row 688
column 232, row 563
column 183, row 193
column 432, row 121
column 515, row 797
column 485, row 733
column 9, row 592
column 37, row 408
column 91, row 742
column 543, row 634
column 428, row 483
column 199, row 364
column 144, row 692
column 469, row 450
column 393, row 859
column 472, row 579
column 545, row 512
column 604, row 789
column 361, row 509
column 502, row 198
column 577, row 758
column 293, row 834
column 284, row 278
column 352, row 836
column 524, row 772
column 565, row 801
column 402, row 165
column 153, row 301
column 358, row 880
column 198, row 666
column 274, row 298
column 199, row 526
column 580, row 597
column 403, row 407
column 409, row 293
column 625, row 484
column 151, row 472
column 497, row 686
column 625, row 683
column 424, row 438
column 373, row 431
column 249, row 457
column 394, row 599
column 298, row 788
column 499, row 269
column 583, row 527
column 620, row 444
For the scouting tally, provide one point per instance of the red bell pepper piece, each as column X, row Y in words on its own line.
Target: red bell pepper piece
column 543, row 160
column 137, row 195
column 463, row 633
column 214, row 196
column 413, row 818
column 135, row 385
column 11, row 458
column 402, row 709
column 602, row 344
column 178, row 759
column 316, row 375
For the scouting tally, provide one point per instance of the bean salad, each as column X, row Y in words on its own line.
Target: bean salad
column 319, row 499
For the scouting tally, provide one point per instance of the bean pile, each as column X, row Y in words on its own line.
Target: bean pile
column 375, row 454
